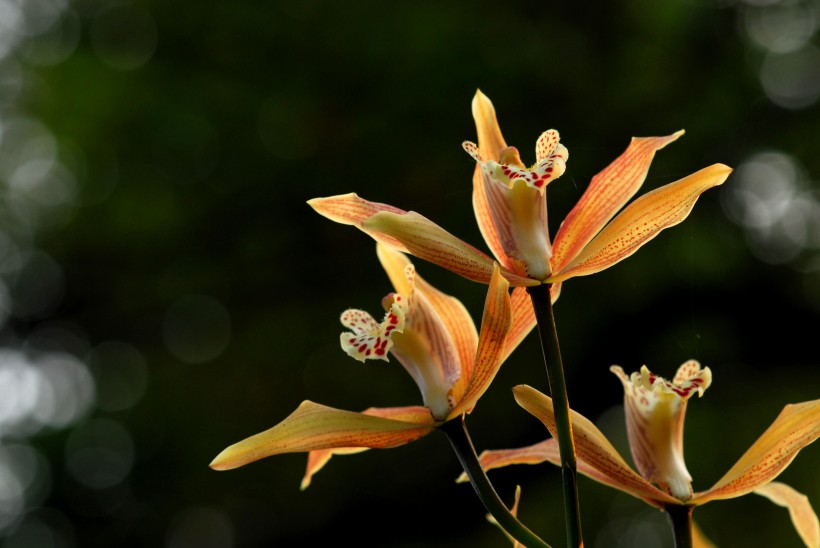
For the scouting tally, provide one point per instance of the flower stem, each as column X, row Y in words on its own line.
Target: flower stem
column 547, row 333
column 456, row 432
column 680, row 516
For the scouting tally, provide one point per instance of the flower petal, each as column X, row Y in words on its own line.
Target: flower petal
column 395, row 264
column 315, row 426
column 495, row 326
column 800, row 510
column 318, row 458
column 593, row 448
column 797, row 426
column 641, row 221
column 699, row 540
column 349, row 209
column 655, row 411
column 368, row 339
column 608, row 191
column 537, row 453
column 490, row 140
column 490, row 143
column 514, row 512
column 455, row 338
column 544, row 451
column 423, row 238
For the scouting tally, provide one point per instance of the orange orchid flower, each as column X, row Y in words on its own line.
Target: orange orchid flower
column 655, row 410
column 510, row 206
column 433, row 336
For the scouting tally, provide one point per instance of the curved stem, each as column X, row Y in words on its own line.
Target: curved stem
column 680, row 516
column 547, row 333
column 456, row 432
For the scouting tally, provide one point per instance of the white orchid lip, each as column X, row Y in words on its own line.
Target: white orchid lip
column 517, row 199
column 655, row 412
column 413, row 333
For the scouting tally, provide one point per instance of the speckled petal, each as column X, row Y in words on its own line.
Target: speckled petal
column 457, row 341
column 368, row 339
column 425, row 239
column 797, row 426
column 495, row 326
column 655, row 412
column 349, row 209
column 608, row 191
column 490, row 143
column 537, row 453
column 593, row 448
column 641, row 221
column 544, row 451
column 314, row 426
column 318, row 458
column 510, row 169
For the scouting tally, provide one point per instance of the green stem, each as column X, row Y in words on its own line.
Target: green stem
column 456, row 432
column 542, row 304
column 680, row 516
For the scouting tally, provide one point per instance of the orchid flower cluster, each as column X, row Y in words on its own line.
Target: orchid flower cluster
column 433, row 336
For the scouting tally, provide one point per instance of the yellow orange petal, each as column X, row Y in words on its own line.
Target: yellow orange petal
column 641, row 221
column 655, row 412
column 490, row 143
column 593, row 448
column 699, row 540
column 608, row 191
column 349, row 209
column 490, row 140
column 514, row 512
column 537, row 453
column 424, row 239
column 315, row 426
column 495, row 326
column 544, row 451
column 451, row 335
column 395, row 264
column 318, row 458
column 795, row 427
column 460, row 332
column 803, row 516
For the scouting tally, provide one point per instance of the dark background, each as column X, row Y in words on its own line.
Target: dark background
column 166, row 291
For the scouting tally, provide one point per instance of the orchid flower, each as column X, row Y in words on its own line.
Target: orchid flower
column 433, row 337
column 509, row 200
column 655, row 410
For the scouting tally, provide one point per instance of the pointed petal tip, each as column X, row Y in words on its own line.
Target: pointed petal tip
column 221, row 462
column 724, row 169
column 482, row 107
column 320, row 199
